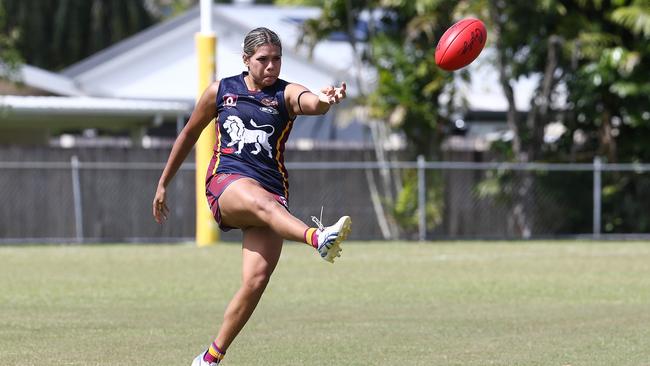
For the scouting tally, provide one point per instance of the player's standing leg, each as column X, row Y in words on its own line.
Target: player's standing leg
column 266, row 222
column 260, row 253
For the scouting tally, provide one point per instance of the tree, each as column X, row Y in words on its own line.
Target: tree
column 10, row 58
column 521, row 52
column 53, row 34
column 609, row 96
column 574, row 44
column 592, row 52
column 398, row 42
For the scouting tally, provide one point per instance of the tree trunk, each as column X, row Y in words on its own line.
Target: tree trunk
column 607, row 141
column 378, row 133
column 528, row 138
column 538, row 118
column 512, row 117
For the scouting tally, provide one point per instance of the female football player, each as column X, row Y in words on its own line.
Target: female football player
column 246, row 182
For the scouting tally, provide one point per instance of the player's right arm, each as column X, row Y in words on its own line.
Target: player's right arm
column 204, row 112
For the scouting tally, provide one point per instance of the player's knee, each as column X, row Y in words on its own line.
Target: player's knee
column 263, row 206
column 257, row 282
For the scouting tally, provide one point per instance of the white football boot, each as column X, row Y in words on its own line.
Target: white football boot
column 199, row 361
column 330, row 238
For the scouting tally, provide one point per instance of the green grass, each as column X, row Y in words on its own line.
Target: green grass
column 541, row 303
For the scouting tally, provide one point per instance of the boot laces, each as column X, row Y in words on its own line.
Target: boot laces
column 317, row 221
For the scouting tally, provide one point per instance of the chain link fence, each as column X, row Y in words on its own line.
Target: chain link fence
column 110, row 201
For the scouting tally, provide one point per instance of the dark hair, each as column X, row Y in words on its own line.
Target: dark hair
column 259, row 37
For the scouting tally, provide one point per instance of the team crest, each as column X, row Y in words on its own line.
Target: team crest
column 269, row 102
column 230, row 100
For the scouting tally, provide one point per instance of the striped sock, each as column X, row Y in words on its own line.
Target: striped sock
column 214, row 354
column 311, row 237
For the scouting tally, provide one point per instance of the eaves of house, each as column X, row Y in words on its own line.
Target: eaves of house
column 57, row 105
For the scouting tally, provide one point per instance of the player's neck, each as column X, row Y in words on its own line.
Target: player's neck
column 250, row 83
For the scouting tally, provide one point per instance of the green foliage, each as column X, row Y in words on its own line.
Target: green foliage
column 409, row 79
column 625, row 198
column 407, row 91
column 562, row 200
column 401, row 48
column 54, row 34
column 406, row 211
column 609, row 89
column 602, row 70
column 636, row 17
column 10, row 58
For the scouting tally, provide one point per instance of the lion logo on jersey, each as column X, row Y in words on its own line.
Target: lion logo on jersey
column 240, row 135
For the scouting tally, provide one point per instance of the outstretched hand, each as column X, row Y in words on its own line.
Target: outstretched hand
column 332, row 95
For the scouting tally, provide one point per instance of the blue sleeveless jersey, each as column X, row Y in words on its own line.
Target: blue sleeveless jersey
column 252, row 129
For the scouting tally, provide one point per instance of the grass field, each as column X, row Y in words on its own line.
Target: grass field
column 540, row 303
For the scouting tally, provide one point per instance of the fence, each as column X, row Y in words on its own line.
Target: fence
column 109, row 201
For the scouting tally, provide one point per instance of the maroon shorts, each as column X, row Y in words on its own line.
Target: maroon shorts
column 215, row 186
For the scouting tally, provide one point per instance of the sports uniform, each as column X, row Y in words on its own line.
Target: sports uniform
column 252, row 129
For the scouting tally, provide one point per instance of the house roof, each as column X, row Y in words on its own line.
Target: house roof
column 58, row 113
column 161, row 62
column 48, row 81
column 89, row 105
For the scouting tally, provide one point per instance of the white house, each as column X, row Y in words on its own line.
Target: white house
column 160, row 62
column 47, row 104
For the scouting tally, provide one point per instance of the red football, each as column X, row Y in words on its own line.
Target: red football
column 461, row 44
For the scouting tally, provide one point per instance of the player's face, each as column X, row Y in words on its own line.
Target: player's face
column 264, row 65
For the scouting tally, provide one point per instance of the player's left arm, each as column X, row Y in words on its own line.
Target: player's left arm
column 300, row 100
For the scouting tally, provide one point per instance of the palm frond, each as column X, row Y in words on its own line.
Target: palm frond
column 636, row 18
